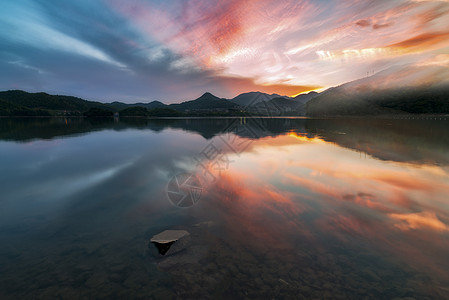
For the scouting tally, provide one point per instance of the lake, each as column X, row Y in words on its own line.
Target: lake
column 278, row 208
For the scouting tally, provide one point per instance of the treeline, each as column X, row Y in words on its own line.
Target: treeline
column 8, row 109
column 340, row 101
column 20, row 103
column 168, row 112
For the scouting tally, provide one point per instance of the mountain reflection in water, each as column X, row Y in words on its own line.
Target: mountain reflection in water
column 343, row 208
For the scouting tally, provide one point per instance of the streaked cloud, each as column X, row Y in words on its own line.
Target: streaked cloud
column 175, row 50
column 426, row 40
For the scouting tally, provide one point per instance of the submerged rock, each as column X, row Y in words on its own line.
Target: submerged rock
column 171, row 241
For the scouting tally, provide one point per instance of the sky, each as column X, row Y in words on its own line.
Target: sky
column 175, row 50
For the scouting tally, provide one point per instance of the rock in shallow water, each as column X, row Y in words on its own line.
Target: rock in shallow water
column 171, row 241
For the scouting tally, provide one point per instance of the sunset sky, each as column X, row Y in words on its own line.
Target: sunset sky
column 176, row 50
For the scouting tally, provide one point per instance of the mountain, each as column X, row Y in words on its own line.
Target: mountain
column 207, row 102
column 20, row 103
column 49, row 103
column 252, row 98
column 398, row 90
column 304, row 98
column 407, row 89
column 155, row 104
column 282, row 106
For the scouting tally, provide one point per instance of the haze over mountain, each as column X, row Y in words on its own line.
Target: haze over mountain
column 415, row 89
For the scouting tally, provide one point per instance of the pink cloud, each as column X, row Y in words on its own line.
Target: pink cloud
column 274, row 44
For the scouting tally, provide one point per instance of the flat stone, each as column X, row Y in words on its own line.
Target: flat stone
column 169, row 236
column 171, row 241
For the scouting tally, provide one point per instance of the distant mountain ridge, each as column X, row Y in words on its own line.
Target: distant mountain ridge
column 21, row 103
column 416, row 89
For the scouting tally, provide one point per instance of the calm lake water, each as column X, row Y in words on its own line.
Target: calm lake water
column 286, row 208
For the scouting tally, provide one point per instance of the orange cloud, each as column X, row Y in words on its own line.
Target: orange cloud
column 367, row 200
column 379, row 26
column 428, row 17
column 289, row 47
column 313, row 186
column 425, row 40
column 422, row 220
column 403, row 180
column 240, row 85
column 363, row 23
column 213, row 30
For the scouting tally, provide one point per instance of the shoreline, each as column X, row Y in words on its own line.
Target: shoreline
column 396, row 117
